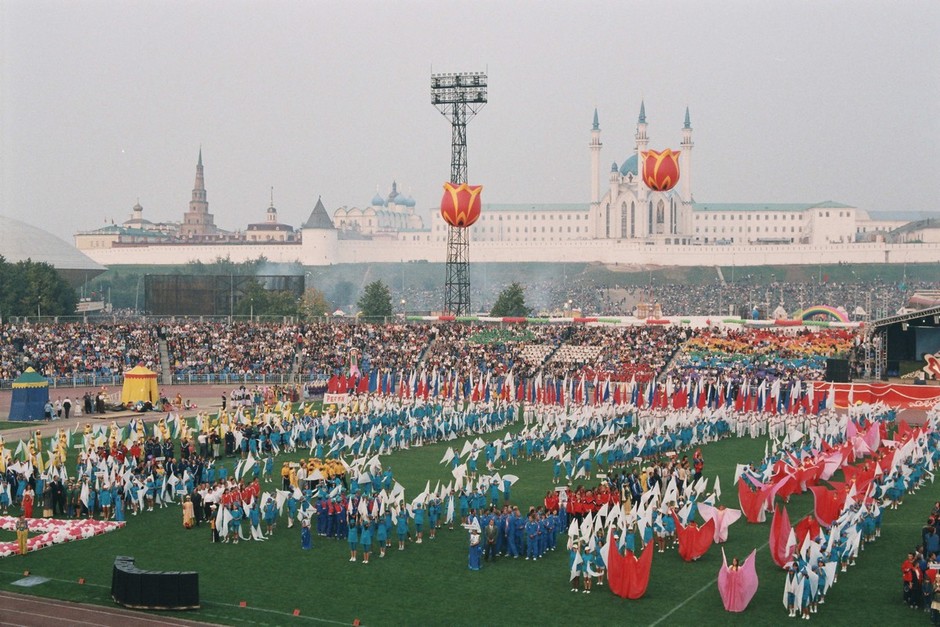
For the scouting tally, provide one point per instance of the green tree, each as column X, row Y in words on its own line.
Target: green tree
column 376, row 301
column 29, row 289
column 511, row 302
column 314, row 304
column 124, row 288
column 224, row 265
column 258, row 301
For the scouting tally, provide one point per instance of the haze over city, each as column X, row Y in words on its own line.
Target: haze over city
column 107, row 102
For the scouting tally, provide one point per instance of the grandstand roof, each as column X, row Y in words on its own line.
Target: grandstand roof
column 20, row 241
column 926, row 314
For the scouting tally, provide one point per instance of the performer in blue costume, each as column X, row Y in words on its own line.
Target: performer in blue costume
column 365, row 539
column 512, row 547
column 352, row 537
column 291, row 510
column 402, row 528
column 306, row 541
column 236, row 523
column 418, row 514
column 532, row 538
column 476, row 549
column 270, row 516
column 118, row 506
column 381, row 533
column 104, row 499
column 254, row 518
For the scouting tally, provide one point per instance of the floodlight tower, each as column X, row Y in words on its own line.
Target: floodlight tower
column 458, row 97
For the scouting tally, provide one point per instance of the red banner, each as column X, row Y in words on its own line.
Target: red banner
column 891, row 394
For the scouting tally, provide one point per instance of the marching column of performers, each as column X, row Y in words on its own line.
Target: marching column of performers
column 920, row 568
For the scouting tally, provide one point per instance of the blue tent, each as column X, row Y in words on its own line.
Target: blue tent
column 30, row 395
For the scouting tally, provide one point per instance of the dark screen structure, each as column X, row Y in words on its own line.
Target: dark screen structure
column 208, row 295
column 927, row 341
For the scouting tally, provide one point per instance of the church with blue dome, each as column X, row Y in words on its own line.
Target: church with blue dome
column 386, row 215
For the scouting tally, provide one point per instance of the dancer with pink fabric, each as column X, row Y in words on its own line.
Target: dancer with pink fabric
column 737, row 583
column 723, row 516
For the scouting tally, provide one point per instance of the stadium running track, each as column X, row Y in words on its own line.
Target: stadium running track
column 30, row 611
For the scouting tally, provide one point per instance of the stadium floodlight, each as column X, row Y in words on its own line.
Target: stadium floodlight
column 467, row 88
column 459, row 97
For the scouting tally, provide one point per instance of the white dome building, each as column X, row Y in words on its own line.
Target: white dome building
column 21, row 242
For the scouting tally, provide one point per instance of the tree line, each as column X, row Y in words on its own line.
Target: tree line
column 376, row 302
column 29, row 288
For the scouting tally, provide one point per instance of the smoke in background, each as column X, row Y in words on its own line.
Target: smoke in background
column 596, row 289
column 865, row 291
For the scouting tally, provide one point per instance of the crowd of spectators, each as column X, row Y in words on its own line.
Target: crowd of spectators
column 325, row 348
column 732, row 296
column 876, row 298
column 317, row 351
column 738, row 357
column 66, row 350
column 239, row 348
column 623, row 353
column 478, row 348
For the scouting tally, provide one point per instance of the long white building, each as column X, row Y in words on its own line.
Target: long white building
column 627, row 210
column 625, row 222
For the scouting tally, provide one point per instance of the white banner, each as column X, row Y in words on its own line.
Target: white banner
column 335, row 399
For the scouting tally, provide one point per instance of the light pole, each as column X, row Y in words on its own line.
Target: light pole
column 137, row 294
column 458, row 97
column 721, row 294
column 773, row 278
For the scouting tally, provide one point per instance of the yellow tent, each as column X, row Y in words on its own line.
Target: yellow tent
column 140, row 384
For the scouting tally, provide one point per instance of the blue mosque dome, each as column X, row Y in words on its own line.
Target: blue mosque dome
column 410, row 202
column 401, row 200
column 378, row 201
column 629, row 166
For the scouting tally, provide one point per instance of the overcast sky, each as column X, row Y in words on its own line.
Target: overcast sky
column 105, row 102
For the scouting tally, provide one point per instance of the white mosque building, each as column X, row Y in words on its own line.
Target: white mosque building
column 628, row 210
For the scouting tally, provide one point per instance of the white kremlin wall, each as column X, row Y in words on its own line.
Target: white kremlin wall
column 321, row 248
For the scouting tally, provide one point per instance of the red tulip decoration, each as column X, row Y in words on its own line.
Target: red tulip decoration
column 933, row 365
column 460, row 206
column 661, row 169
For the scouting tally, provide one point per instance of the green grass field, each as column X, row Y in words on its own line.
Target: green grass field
column 7, row 424
column 430, row 584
